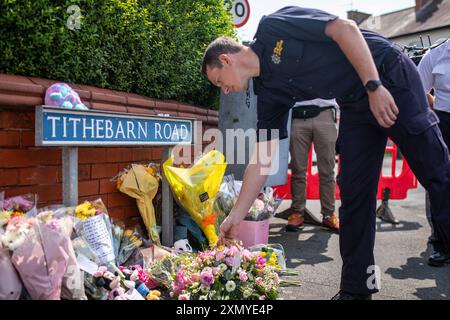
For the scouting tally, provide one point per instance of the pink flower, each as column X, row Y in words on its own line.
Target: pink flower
column 181, row 281
column 229, row 261
column 52, row 224
column 220, row 256
column 262, row 298
column 206, row 278
column 183, row 297
column 195, row 277
column 215, row 271
column 247, row 255
column 243, row 276
column 260, row 262
column 233, row 251
column 259, row 281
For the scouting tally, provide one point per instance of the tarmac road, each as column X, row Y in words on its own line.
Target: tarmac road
column 401, row 252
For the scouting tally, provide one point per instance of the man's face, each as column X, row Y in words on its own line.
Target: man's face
column 229, row 78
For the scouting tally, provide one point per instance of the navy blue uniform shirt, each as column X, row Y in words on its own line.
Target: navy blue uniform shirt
column 298, row 62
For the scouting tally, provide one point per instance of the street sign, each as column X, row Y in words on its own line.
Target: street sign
column 65, row 127
column 70, row 129
column 241, row 12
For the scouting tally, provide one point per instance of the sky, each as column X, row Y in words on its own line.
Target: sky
column 258, row 8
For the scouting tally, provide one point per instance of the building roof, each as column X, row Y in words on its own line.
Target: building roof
column 405, row 22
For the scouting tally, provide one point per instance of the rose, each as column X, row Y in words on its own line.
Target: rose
column 243, row 276
column 206, row 278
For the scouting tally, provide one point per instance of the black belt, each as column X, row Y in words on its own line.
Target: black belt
column 308, row 111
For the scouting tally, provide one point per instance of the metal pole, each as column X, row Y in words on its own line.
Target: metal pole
column 70, row 176
column 167, row 205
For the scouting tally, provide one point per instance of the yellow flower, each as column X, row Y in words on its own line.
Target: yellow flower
column 128, row 233
column 4, row 217
column 85, row 211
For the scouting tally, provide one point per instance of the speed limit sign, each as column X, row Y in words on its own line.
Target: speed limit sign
column 241, row 12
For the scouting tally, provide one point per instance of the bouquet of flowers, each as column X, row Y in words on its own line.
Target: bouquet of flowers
column 264, row 207
column 141, row 182
column 16, row 206
column 222, row 273
column 89, row 209
column 196, row 188
column 43, row 256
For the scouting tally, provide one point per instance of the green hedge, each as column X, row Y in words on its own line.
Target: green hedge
column 151, row 47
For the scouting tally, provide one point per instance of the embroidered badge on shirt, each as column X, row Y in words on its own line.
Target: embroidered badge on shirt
column 276, row 57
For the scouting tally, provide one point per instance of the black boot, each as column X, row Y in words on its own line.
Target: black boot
column 438, row 259
column 342, row 295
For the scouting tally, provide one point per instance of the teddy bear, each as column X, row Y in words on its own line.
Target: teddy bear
column 63, row 96
column 108, row 281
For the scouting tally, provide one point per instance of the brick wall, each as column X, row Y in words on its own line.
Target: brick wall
column 25, row 168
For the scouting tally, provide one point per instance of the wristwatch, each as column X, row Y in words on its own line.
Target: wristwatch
column 372, row 85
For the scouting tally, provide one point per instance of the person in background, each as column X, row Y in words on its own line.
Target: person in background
column 313, row 121
column 434, row 70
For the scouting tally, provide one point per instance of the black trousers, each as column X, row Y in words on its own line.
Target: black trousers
column 444, row 125
column 362, row 143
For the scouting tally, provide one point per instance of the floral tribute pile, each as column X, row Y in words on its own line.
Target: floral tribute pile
column 223, row 273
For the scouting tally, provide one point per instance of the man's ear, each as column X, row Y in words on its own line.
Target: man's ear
column 225, row 59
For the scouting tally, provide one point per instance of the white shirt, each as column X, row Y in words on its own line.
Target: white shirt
column 434, row 69
column 317, row 102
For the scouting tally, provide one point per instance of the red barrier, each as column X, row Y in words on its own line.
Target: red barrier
column 398, row 184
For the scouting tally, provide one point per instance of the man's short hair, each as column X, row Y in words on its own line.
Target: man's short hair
column 221, row 45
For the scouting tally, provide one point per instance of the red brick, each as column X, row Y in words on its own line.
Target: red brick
column 157, row 153
column 88, row 188
column 108, row 107
column 187, row 108
column 91, row 155
column 187, row 115
column 119, row 199
column 166, row 105
column 20, row 100
column 27, row 139
column 9, row 138
column 123, row 213
column 143, row 111
column 107, row 186
column 16, row 120
column 17, row 158
column 142, row 154
column 9, row 177
column 213, row 120
column 84, row 171
column 14, row 78
column 108, row 98
column 104, row 170
column 119, row 155
column 141, row 102
column 38, row 175
column 46, row 193
column 201, row 111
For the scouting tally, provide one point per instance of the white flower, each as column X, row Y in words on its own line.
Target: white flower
column 222, row 267
column 230, row 286
column 204, row 289
column 203, row 298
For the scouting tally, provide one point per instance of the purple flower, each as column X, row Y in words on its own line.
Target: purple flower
column 206, row 278
column 229, row 261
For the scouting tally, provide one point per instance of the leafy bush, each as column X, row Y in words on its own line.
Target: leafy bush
column 150, row 47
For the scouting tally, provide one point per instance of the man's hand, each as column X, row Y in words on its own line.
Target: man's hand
column 229, row 229
column 383, row 107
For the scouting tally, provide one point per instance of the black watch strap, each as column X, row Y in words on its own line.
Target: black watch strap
column 372, row 85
